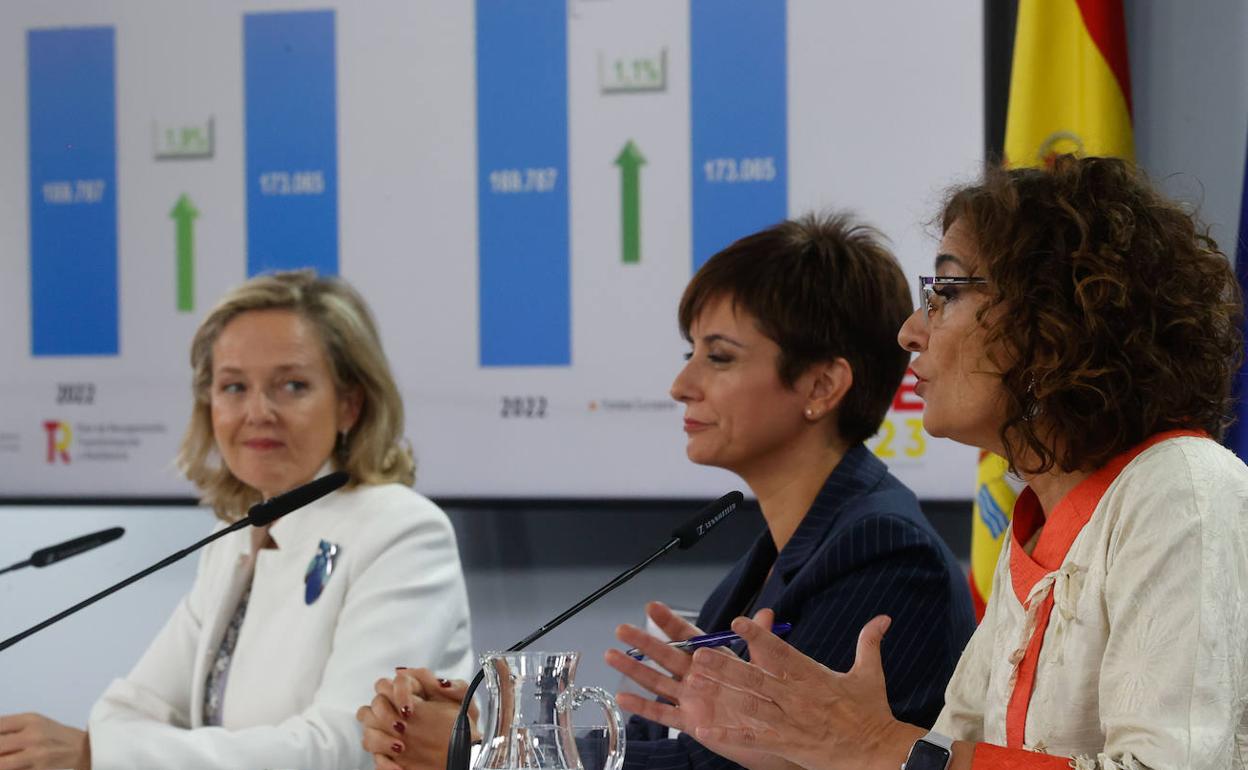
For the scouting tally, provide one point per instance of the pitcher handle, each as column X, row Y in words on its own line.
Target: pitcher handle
column 573, row 698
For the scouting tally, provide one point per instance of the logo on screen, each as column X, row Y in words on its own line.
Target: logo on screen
column 905, row 399
column 59, row 438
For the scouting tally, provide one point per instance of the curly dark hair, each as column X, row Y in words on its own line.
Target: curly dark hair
column 1120, row 316
column 822, row 287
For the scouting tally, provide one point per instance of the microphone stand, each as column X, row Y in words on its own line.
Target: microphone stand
column 54, row 553
column 12, row 640
column 685, row 536
column 260, row 514
column 460, row 748
column 17, row 565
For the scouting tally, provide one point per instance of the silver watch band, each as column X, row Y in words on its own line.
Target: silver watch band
column 943, row 741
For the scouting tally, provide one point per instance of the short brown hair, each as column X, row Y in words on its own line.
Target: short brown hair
column 374, row 451
column 821, row 287
column 1120, row 317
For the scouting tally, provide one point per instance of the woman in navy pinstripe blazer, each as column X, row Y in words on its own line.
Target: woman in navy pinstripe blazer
column 793, row 367
column 794, row 364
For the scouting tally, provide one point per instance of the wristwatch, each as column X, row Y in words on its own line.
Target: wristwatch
column 931, row 752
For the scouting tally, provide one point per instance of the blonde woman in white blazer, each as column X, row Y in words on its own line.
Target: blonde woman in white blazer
column 263, row 663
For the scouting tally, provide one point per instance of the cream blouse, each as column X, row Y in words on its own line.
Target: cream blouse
column 1122, row 640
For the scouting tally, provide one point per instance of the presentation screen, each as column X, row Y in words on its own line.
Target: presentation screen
column 521, row 190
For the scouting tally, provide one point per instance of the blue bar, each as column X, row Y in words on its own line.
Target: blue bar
column 739, row 116
column 292, row 141
column 522, row 192
column 71, row 91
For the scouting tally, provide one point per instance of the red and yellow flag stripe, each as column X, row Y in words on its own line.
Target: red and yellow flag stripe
column 1070, row 92
column 1070, row 87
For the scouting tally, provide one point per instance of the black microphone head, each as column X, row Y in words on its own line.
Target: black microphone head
column 269, row 511
column 54, row 553
column 695, row 528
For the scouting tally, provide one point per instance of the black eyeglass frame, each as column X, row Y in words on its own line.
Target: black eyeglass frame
column 928, row 284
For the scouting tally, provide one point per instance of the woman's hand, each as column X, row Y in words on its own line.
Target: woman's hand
column 408, row 724
column 674, row 662
column 786, row 704
column 34, row 742
column 680, row 708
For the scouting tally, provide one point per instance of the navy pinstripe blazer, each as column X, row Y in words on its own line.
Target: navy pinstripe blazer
column 863, row 549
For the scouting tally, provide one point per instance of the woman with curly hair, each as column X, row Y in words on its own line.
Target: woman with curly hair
column 1084, row 327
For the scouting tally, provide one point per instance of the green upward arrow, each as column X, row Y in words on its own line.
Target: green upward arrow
column 630, row 161
column 183, row 214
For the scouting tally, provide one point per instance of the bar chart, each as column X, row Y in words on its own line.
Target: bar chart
column 291, row 148
column 739, row 157
column 520, row 188
column 73, row 197
column 739, row 115
column 292, row 141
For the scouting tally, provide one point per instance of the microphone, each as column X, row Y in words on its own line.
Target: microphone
column 696, row 528
column 54, row 553
column 260, row 514
column 269, row 511
column 683, row 537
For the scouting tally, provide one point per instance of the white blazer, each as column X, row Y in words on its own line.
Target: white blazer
column 300, row 671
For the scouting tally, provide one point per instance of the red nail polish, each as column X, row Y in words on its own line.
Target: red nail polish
column 399, row 727
column 406, row 711
column 400, row 668
column 444, row 682
column 397, row 748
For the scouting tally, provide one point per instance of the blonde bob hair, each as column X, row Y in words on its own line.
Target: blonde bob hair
column 373, row 452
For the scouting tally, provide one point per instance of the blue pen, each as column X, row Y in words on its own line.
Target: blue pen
column 717, row 639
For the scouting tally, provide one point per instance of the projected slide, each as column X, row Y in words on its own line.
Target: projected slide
column 520, row 189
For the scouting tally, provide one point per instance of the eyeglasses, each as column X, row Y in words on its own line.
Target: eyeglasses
column 934, row 294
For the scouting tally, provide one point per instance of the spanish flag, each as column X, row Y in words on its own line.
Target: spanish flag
column 1070, row 92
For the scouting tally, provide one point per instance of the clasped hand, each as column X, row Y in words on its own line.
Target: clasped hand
column 408, row 724
column 34, row 742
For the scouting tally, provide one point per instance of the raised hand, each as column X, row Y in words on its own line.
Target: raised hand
column 785, row 704
column 667, row 683
column 680, row 708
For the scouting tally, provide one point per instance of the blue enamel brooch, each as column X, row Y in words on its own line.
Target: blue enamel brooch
column 319, row 571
